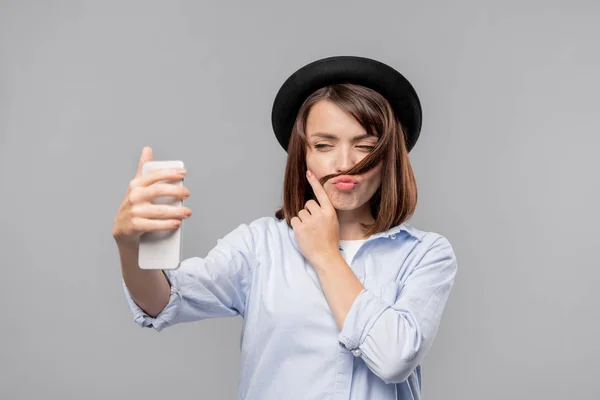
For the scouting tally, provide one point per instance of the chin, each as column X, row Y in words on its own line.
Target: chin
column 337, row 208
column 344, row 205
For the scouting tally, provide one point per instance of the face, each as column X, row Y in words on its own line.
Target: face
column 336, row 142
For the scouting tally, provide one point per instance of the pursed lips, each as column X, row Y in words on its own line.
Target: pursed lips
column 343, row 179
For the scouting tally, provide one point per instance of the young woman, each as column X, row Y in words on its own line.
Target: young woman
column 341, row 298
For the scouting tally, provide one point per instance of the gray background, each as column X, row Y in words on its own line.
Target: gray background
column 507, row 167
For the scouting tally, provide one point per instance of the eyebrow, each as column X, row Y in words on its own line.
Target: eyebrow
column 325, row 135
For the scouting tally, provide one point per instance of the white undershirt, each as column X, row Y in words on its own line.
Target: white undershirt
column 349, row 247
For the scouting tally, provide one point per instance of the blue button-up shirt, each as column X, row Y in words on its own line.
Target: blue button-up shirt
column 291, row 346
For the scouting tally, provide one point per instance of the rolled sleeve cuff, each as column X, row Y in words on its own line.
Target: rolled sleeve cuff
column 166, row 316
column 363, row 314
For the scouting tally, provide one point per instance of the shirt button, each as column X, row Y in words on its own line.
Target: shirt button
column 357, row 352
column 393, row 236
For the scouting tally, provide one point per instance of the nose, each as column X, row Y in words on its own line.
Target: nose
column 345, row 159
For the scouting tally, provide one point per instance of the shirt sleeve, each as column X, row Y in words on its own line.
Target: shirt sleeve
column 392, row 331
column 210, row 287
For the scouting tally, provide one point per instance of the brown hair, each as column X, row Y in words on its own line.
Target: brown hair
column 395, row 200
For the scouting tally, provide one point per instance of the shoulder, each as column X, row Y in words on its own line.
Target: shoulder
column 260, row 229
column 262, row 235
column 266, row 222
column 265, row 225
column 430, row 254
column 429, row 241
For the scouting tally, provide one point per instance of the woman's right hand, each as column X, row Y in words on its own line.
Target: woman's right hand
column 137, row 214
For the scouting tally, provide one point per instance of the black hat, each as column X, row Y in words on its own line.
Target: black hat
column 373, row 74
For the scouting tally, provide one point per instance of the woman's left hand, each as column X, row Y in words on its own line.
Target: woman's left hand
column 316, row 227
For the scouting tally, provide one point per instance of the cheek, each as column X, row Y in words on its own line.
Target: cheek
column 372, row 186
column 374, row 176
column 315, row 165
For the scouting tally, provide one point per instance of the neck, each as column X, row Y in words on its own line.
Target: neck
column 349, row 223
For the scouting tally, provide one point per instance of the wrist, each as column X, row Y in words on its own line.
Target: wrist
column 326, row 261
column 127, row 244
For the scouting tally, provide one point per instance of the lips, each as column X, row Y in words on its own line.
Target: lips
column 345, row 182
column 344, row 185
column 343, row 179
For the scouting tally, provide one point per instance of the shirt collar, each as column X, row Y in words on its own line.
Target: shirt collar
column 396, row 230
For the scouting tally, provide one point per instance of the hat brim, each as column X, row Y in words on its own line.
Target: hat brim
column 391, row 84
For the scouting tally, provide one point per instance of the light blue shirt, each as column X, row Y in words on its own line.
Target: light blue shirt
column 291, row 346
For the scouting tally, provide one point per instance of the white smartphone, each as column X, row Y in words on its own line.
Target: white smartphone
column 162, row 249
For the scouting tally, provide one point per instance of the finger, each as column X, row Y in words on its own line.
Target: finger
column 319, row 191
column 303, row 215
column 163, row 174
column 149, row 193
column 160, row 211
column 313, row 207
column 150, row 225
column 295, row 222
column 145, row 157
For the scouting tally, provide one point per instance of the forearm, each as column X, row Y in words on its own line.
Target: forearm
column 148, row 288
column 392, row 344
column 340, row 285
